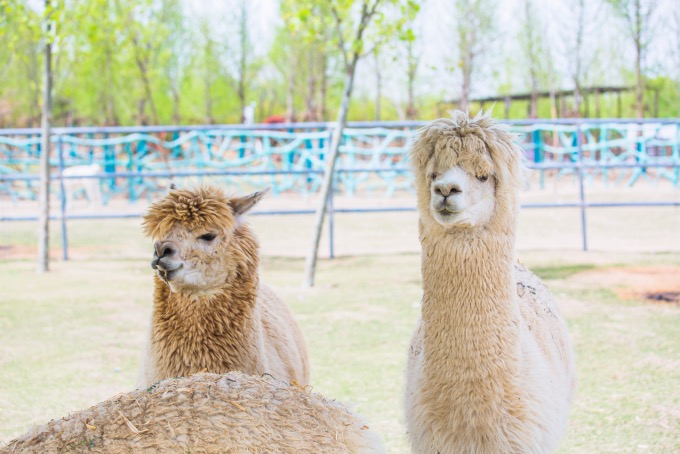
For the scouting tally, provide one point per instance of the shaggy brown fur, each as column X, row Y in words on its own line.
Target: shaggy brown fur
column 490, row 367
column 206, row 413
column 238, row 325
column 205, row 207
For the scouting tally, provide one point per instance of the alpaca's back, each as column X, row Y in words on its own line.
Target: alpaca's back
column 284, row 350
column 548, row 363
column 545, row 322
column 206, row 413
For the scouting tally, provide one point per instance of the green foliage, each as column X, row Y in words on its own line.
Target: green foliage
column 133, row 62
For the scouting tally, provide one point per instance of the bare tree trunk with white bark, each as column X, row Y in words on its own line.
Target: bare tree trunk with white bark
column 44, row 197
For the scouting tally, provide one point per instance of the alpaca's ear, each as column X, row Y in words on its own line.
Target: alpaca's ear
column 242, row 205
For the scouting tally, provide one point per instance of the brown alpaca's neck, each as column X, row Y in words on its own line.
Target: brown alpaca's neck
column 209, row 333
column 470, row 319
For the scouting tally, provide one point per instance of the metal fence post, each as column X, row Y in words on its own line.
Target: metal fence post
column 330, row 211
column 330, row 208
column 582, row 196
column 62, row 192
column 537, row 141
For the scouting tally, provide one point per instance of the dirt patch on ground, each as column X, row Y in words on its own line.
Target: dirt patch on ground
column 23, row 252
column 12, row 252
column 657, row 284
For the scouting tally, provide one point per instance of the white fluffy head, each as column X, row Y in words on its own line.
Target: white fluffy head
column 467, row 171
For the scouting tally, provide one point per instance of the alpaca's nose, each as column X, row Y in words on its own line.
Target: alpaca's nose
column 445, row 189
column 166, row 249
column 162, row 250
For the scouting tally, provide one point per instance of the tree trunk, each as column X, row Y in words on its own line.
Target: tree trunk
column 290, row 96
column 208, row 97
column 111, row 117
column 553, row 109
column 310, row 101
column 638, row 59
column 149, row 95
column 242, row 97
column 378, row 85
column 411, row 73
column 44, row 198
column 141, row 116
column 467, row 81
column 533, row 110
column 324, row 87
column 465, row 92
column 638, row 88
column 577, row 98
column 310, row 264
column 243, row 58
column 175, row 106
column 586, row 105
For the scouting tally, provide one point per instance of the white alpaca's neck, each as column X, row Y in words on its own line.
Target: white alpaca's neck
column 470, row 319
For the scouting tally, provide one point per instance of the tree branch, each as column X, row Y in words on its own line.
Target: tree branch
column 367, row 14
column 341, row 39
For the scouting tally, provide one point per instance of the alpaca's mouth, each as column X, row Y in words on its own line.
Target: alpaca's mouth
column 448, row 211
column 166, row 274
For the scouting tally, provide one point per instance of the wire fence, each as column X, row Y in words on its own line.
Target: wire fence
column 130, row 163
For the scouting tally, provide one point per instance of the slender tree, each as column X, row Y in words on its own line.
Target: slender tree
column 146, row 33
column 475, row 26
column 178, row 41
column 378, row 82
column 580, row 44
column 352, row 46
column 531, row 44
column 50, row 15
column 285, row 58
column 412, row 63
column 240, row 65
column 209, row 67
column 676, row 48
column 638, row 16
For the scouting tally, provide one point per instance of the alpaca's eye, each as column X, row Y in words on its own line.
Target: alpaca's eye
column 207, row 237
column 433, row 176
column 483, row 178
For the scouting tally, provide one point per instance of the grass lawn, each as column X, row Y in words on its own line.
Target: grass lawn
column 71, row 338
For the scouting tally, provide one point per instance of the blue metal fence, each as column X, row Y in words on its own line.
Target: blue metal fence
column 290, row 158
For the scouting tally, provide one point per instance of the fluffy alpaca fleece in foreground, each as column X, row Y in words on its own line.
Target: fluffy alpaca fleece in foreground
column 206, row 413
column 490, row 368
column 210, row 311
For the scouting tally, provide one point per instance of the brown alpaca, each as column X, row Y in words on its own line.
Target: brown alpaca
column 210, row 311
column 206, row 413
column 490, row 368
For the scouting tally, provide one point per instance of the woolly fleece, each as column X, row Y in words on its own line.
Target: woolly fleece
column 206, row 413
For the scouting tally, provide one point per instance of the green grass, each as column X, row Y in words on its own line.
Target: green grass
column 73, row 337
column 561, row 272
column 629, row 376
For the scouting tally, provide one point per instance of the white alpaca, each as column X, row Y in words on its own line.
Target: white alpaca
column 90, row 186
column 206, row 413
column 490, row 368
column 210, row 312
